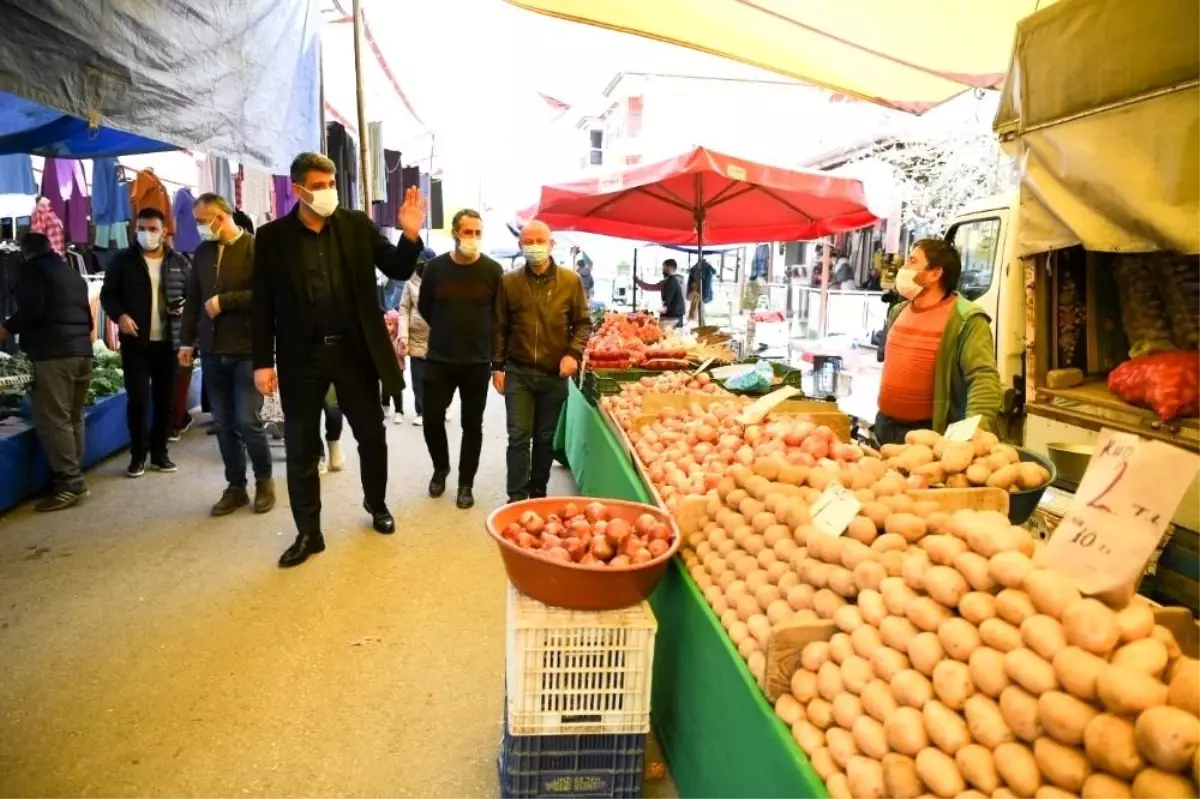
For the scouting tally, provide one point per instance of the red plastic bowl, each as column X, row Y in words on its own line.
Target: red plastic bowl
column 569, row 585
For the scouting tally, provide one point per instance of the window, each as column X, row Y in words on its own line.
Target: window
column 977, row 241
column 596, row 147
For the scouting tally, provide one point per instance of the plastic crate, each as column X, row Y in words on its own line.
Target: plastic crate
column 577, row 672
column 571, row 765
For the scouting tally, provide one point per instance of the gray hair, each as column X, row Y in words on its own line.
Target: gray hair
column 310, row 162
column 216, row 201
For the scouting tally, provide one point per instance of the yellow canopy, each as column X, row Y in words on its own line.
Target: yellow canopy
column 905, row 54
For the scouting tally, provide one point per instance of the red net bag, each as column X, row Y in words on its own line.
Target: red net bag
column 1167, row 383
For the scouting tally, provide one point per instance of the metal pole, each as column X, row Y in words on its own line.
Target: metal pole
column 634, row 301
column 321, row 67
column 429, row 212
column 364, row 135
column 823, row 329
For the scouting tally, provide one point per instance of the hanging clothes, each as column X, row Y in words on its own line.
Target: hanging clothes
column 256, row 195
column 46, row 222
column 223, row 180
column 111, row 210
column 410, row 176
column 207, row 180
column 187, row 238
column 16, row 174
column 390, row 201
column 64, row 185
column 148, row 191
column 375, row 157
column 426, row 191
column 284, row 200
column 342, row 150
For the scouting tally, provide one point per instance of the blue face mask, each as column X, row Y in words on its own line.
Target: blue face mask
column 535, row 254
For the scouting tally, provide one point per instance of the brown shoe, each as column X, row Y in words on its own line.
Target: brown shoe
column 264, row 495
column 233, row 498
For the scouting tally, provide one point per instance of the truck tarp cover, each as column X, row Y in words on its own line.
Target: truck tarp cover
column 234, row 78
column 1101, row 112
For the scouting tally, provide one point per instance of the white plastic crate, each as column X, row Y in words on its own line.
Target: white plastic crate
column 572, row 672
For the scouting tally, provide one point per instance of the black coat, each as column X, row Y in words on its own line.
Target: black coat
column 127, row 291
column 282, row 316
column 228, row 334
column 53, row 317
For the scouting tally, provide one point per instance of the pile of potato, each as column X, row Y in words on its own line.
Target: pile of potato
column 960, row 668
column 982, row 461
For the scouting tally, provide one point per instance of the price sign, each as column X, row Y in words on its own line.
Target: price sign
column 833, row 510
column 962, row 431
column 1124, row 503
column 756, row 411
column 702, row 367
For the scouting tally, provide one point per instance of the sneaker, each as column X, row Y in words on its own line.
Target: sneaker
column 61, row 501
column 137, row 467
column 337, row 461
column 173, row 436
column 234, row 497
column 163, row 464
column 387, row 412
column 418, row 421
column 398, row 419
column 187, row 425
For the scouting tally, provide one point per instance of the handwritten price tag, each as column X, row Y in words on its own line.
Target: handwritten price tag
column 1124, row 503
column 756, row 411
column 962, row 431
column 833, row 510
column 702, row 367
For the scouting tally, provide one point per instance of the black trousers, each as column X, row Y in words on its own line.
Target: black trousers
column 441, row 381
column 302, row 393
column 892, row 431
column 150, row 369
column 533, row 401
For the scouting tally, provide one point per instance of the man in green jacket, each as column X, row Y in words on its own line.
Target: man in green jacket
column 939, row 363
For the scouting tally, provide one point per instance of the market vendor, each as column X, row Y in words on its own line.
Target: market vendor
column 939, row 363
column 670, row 316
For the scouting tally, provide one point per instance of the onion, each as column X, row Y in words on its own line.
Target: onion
column 595, row 512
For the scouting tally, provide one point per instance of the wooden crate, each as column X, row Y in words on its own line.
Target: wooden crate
column 816, row 411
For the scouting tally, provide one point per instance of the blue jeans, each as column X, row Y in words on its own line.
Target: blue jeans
column 237, row 415
column 533, row 400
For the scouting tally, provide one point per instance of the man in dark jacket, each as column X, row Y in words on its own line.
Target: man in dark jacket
column 216, row 317
column 144, row 290
column 542, row 326
column 315, row 313
column 674, row 304
column 53, row 323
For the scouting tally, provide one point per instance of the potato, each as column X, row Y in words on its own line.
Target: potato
column 932, row 473
column 911, row 688
column 848, row 618
column 845, row 707
column 1148, row 655
column 1044, row 635
column 1127, row 691
column 820, row 713
column 986, row 666
column 1031, row 671
column 822, row 761
column 977, row 606
column 926, row 614
column 1078, row 671
column 1135, row 621
column 975, row 569
column 1018, row 768
column 925, row 652
column 943, row 549
column 957, row 456
column 896, row 632
column 788, row 709
column 959, row 638
column 1032, row 475
column 1004, row 477
column 866, row 641
column 1015, row 606
column 952, row 683
column 1105, row 786
column 945, row 728
column 945, row 585
column 1168, row 737
column 801, row 597
column 1009, row 569
column 1064, row 717
column 838, row 786
column 1091, row 625
column 868, row 576
column 877, row 700
column 892, row 562
column 1155, row 784
column 829, row 681
column 1020, row 711
column 887, row 662
column 841, row 745
column 814, row 655
column 897, row 597
column 1168, row 638
column 939, row 773
column 905, row 729
column 1111, row 745
column 865, row 778
column 908, row 526
column 870, row 737
column 840, row 648
column 900, row 778
column 1184, row 689
column 804, row 686
column 871, row 607
column 978, row 473
column 856, row 673
column 1065, row 766
column 779, row 612
column 1000, row 635
column 986, row 722
column 927, row 438
column 825, row 602
column 976, row 765
column 841, row 582
column 915, row 457
column 1050, row 592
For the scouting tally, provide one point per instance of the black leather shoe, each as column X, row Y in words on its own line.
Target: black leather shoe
column 437, row 485
column 465, row 498
column 298, row 552
column 381, row 520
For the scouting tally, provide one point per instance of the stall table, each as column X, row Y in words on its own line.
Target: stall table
column 720, row 735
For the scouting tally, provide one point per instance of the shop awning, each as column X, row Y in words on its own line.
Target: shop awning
column 909, row 55
column 26, row 127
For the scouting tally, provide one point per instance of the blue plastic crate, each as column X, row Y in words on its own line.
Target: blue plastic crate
column 571, row 765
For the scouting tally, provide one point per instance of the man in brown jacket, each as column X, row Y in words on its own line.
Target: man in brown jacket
column 542, row 326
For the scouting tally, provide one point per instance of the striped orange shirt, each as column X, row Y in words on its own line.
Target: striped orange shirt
column 910, row 362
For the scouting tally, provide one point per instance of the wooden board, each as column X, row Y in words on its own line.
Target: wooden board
column 783, row 652
column 952, row 499
column 816, row 411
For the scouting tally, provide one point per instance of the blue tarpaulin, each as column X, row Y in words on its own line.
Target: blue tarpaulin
column 27, row 127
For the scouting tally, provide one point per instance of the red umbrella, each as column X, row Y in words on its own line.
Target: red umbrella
column 706, row 197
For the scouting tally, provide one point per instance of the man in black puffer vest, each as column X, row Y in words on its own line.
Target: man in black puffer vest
column 53, row 323
column 144, row 290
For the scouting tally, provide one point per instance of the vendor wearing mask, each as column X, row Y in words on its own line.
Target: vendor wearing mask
column 939, row 363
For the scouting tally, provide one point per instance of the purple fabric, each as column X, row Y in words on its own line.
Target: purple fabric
column 64, row 185
column 285, row 201
column 187, row 237
column 385, row 210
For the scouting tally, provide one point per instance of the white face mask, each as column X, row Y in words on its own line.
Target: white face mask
column 206, row 232
column 469, row 247
column 149, row 239
column 324, row 201
column 906, row 283
column 535, row 254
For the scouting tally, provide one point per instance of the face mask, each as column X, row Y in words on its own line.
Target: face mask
column 469, row 247
column 149, row 239
column 206, row 232
column 906, row 283
column 535, row 254
column 324, row 201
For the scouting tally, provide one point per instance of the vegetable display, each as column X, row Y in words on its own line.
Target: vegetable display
column 625, row 406
column 982, row 461
column 587, row 535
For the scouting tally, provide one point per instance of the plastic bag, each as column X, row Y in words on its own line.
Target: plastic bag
column 1167, row 383
column 1143, row 314
column 1178, row 279
column 759, row 378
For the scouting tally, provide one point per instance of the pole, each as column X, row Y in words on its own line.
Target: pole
column 429, row 213
column 364, row 134
column 321, row 84
column 823, row 329
column 700, row 246
column 635, row 252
